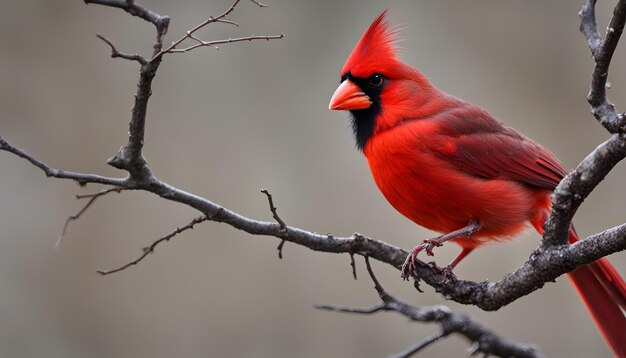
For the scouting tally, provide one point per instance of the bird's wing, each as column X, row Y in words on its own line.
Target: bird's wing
column 501, row 152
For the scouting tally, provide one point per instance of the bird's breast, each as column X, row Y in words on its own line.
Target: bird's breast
column 408, row 168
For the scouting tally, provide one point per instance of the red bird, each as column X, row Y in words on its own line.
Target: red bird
column 451, row 167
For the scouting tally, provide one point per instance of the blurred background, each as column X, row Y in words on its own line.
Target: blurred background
column 223, row 124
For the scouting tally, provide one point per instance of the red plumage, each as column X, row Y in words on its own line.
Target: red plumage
column 448, row 165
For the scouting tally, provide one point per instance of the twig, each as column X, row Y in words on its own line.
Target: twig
column 92, row 198
column 280, row 248
column 81, row 178
column 130, row 6
column 219, row 42
column 150, row 249
column 420, row 345
column 273, row 209
column 115, row 53
column 280, row 221
column 259, row 3
column 487, row 341
column 220, row 18
column 353, row 265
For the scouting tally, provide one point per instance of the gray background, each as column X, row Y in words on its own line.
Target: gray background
column 223, row 124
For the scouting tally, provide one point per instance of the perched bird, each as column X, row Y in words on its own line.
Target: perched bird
column 451, row 167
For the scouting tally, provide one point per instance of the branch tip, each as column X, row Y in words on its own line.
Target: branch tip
column 150, row 249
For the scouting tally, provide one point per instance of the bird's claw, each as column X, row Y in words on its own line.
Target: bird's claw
column 409, row 268
column 448, row 275
column 429, row 245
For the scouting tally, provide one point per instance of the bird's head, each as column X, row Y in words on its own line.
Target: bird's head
column 376, row 87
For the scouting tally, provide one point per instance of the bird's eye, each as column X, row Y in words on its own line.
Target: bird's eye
column 376, row 80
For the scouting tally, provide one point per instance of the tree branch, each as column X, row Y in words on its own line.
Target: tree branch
column 130, row 6
column 545, row 265
column 280, row 221
column 150, row 249
column 484, row 340
column 577, row 185
column 115, row 53
column 200, row 43
column 420, row 345
column 602, row 52
column 81, row 178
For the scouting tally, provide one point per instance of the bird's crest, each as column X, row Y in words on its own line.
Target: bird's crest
column 375, row 48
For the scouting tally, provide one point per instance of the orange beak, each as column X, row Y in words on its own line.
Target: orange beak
column 349, row 96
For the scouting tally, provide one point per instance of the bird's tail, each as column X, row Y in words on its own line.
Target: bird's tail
column 603, row 291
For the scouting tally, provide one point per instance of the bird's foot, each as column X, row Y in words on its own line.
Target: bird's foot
column 429, row 245
column 409, row 268
column 448, row 275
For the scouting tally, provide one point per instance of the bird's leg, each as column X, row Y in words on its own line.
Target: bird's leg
column 447, row 271
column 410, row 265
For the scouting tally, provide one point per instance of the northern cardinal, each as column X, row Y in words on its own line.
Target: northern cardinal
column 451, row 167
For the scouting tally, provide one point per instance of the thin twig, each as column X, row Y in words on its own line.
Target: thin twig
column 231, row 40
column 420, row 345
column 353, row 265
column 280, row 221
column 374, row 309
column 115, row 53
column 259, row 3
column 92, row 198
column 280, row 248
column 81, row 178
column 150, row 249
column 220, row 18
column 273, row 208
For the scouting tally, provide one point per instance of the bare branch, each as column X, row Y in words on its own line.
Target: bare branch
column 277, row 218
column 487, row 341
column 219, row 42
column 81, row 178
column 200, row 43
column 273, row 208
column 577, row 185
column 543, row 266
column 335, row 308
column 130, row 6
column 115, row 53
column 280, row 248
column 602, row 52
column 353, row 265
column 150, row 249
column 92, row 198
column 259, row 3
column 588, row 26
column 420, row 345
